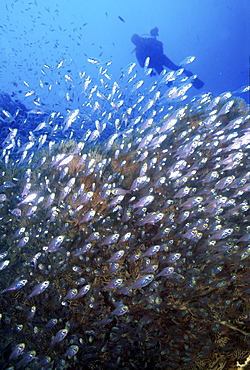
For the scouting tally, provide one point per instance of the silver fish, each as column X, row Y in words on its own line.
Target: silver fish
column 16, row 285
column 38, row 289
column 142, row 281
column 60, row 335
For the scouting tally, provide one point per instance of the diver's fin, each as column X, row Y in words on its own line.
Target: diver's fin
column 197, row 83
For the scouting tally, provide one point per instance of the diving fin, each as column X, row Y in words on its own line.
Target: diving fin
column 197, row 83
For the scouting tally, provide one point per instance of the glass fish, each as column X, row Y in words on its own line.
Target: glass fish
column 110, row 239
column 142, row 282
column 166, row 271
column 149, row 269
column 72, row 293
column 222, row 234
column 151, row 218
column 4, row 264
column 83, row 291
column 60, row 335
column 151, row 251
column 54, row 244
column 38, row 289
column 192, row 202
column 187, row 60
column 82, row 250
column 173, row 257
column 113, row 267
column 116, row 256
column 144, row 201
column 17, row 351
column 120, row 310
column 23, row 242
column 115, row 283
column 88, row 216
column 32, row 313
column 29, row 199
column 125, row 237
column 51, row 323
column 27, row 358
column 72, row 351
column 16, row 285
column 3, row 255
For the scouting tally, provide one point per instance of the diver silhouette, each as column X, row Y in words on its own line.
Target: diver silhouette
column 153, row 48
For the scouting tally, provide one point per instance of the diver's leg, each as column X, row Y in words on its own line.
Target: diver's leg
column 158, row 68
column 168, row 63
column 188, row 73
column 197, row 83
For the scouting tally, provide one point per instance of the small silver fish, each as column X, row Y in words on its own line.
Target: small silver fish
column 222, row 234
column 71, row 294
column 86, row 197
column 3, row 255
column 72, row 351
column 125, row 238
column 110, row 239
column 151, row 218
column 93, row 61
column 38, row 289
column 115, row 283
column 71, row 117
column 29, row 199
column 60, row 335
column 120, row 310
column 23, row 241
column 192, row 202
column 16, row 285
column 144, row 201
column 187, row 60
column 116, row 256
column 17, row 351
column 4, row 264
column 142, row 281
column 166, row 271
column 54, row 244
column 83, row 291
column 51, row 323
column 32, row 313
column 151, row 251
column 88, row 216
column 173, row 257
column 82, row 250
column 27, row 358
column 139, row 182
column 149, row 269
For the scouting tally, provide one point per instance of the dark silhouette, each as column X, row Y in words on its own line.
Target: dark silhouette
column 154, row 32
column 152, row 48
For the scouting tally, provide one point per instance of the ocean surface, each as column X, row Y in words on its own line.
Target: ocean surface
column 124, row 193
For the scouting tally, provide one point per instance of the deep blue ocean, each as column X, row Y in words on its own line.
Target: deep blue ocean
column 35, row 33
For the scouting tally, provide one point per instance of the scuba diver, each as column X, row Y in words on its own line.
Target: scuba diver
column 152, row 48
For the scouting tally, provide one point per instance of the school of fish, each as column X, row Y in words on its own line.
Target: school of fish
column 125, row 225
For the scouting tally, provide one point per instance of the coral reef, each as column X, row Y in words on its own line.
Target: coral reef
column 133, row 252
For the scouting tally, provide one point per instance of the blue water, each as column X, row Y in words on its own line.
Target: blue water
column 34, row 33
